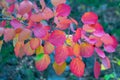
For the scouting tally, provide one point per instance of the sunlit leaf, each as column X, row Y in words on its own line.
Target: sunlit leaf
column 39, row 56
column 39, row 50
column 77, row 67
column 43, row 63
column 59, row 69
column 76, row 50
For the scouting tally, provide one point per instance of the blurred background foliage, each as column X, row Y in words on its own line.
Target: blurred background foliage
column 12, row 68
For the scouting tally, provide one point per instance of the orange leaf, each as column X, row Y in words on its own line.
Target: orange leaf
column 57, row 2
column 19, row 52
column 43, row 63
column 36, row 17
column 48, row 48
column 77, row 67
column 76, row 50
column 34, row 43
column 28, row 50
column 59, row 69
column 24, row 35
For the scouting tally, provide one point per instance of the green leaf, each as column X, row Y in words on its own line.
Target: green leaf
column 39, row 56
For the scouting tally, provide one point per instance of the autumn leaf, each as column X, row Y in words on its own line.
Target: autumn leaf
column 48, row 48
column 19, row 52
column 89, row 18
column 57, row 38
column 106, row 62
column 100, row 52
column 77, row 35
column 63, row 10
column 61, row 54
column 28, row 50
column 76, row 49
column 59, row 69
column 24, row 34
column 16, row 24
column 39, row 50
column 34, row 43
column 57, row 2
column 9, row 34
column 86, row 50
column 97, row 68
column 43, row 63
column 77, row 67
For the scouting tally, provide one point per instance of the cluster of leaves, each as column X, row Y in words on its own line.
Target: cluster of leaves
column 41, row 31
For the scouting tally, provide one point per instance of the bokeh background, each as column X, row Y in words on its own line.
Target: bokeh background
column 12, row 68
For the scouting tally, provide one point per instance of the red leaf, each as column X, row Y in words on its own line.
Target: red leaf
column 25, row 7
column 97, row 68
column 86, row 50
column 34, row 43
column 16, row 24
column 100, row 52
column 19, row 52
column 63, row 10
column 106, row 62
column 77, row 35
column 43, row 63
column 89, row 18
column 9, row 34
column 77, row 67
column 57, row 38
column 36, row 17
column 57, row 2
column 61, row 54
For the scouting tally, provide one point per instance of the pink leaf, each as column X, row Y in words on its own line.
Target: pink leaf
column 63, row 10
column 100, row 52
column 9, row 34
column 34, row 43
column 57, row 38
column 16, row 24
column 106, row 62
column 97, row 68
column 109, row 48
column 77, row 35
column 107, row 39
column 89, row 18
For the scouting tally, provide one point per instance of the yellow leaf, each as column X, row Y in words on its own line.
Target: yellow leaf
column 15, row 40
column 59, row 69
column 39, row 50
